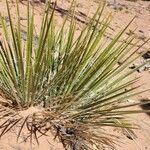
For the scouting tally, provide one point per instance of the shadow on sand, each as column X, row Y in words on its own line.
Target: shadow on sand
column 146, row 106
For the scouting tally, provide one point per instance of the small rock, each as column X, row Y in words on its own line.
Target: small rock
column 141, row 31
column 146, row 55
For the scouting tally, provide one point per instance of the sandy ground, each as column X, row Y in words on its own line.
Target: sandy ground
column 123, row 12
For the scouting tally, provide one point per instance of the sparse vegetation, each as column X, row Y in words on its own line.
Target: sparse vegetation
column 75, row 85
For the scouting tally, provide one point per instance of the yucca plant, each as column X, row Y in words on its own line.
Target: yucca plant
column 76, row 84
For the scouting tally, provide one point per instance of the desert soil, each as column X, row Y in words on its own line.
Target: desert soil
column 122, row 13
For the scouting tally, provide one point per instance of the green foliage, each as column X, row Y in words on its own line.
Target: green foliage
column 85, row 78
